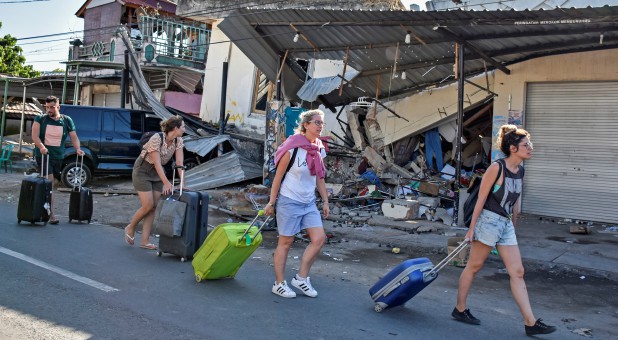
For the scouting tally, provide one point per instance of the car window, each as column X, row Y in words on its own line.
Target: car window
column 122, row 121
column 152, row 123
column 86, row 120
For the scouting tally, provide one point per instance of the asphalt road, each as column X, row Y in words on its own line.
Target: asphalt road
column 72, row 281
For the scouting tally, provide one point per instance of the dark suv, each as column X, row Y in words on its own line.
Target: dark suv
column 109, row 137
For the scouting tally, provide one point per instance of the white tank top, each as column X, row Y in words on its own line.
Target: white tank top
column 298, row 184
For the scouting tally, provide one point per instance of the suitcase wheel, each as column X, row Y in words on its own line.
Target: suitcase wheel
column 18, row 221
column 159, row 253
column 183, row 259
column 198, row 277
column 379, row 307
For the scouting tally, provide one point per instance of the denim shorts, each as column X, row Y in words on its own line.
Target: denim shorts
column 294, row 216
column 493, row 229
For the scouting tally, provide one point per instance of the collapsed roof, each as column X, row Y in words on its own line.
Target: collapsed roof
column 383, row 44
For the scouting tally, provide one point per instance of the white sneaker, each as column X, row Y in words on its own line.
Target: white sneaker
column 282, row 289
column 305, row 287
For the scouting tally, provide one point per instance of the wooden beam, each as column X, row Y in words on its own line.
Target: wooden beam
column 478, row 114
column 345, row 65
column 462, row 40
column 375, row 106
column 285, row 57
column 411, row 32
column 304, row 37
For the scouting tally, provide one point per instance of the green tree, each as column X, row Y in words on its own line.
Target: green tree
column 11, row 60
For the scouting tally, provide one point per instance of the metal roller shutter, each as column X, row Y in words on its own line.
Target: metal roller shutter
column 574, row 170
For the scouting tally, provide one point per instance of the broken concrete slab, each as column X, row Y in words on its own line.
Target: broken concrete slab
column 431, row 202
column 374, row 134
column 374, row 158
column 401, row 209
column 442, row 214
column 354, row 124
column 396, row 169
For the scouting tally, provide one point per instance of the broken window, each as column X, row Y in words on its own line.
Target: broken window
column 262, row 92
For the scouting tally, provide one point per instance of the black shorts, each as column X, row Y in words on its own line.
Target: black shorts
column 55, row 167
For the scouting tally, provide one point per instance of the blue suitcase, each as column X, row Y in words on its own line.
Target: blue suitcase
column 406, row 280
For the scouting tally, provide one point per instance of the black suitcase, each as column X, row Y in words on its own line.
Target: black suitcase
column 80, row 202
column 194, row 230
column 80, row 205
column 35, row 198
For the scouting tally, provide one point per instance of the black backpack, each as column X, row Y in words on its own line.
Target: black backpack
column 473, row 190
column 146, row 137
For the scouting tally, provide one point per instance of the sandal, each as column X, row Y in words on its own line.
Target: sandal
column 148, row 246
column 128, row 238
column 54, row 221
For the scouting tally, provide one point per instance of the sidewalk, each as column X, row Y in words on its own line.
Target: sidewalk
column 544, row 243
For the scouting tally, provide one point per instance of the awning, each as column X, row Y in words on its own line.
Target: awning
column 379, row 49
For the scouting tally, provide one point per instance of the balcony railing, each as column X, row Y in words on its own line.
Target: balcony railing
column 175, row 39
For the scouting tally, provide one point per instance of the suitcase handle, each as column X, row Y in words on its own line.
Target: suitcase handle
column 46, row 167
column 246, row 233
column 449, row 257
column 182, row 178
column 81, row 166
column 171, row 196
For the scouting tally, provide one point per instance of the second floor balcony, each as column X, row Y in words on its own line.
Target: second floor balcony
column 156, row 40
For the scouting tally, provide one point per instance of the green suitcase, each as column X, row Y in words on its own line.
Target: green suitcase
column 225, row 250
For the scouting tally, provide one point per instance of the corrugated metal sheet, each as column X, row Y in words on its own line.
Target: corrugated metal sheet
column 574, row 169
column 187, row 79
column 520, row 5
column 223, row 170
column 373, row 36
column 203, row 145
column 317, row 86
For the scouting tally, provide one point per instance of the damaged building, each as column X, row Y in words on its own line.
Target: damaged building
column 425, row 118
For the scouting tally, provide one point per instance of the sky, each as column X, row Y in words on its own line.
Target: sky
column 35, row 18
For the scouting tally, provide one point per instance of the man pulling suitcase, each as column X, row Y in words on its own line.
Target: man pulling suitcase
column 49, row 133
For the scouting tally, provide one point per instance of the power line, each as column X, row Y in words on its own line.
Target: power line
column 102, row 30
column 20, row 2
column 68, row 32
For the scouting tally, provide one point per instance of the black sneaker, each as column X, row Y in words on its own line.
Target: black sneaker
column 467, row 317
column 539, row 328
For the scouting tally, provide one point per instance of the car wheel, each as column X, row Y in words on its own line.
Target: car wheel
column 72, row 175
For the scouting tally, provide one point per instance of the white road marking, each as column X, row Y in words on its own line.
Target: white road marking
column 57, row 270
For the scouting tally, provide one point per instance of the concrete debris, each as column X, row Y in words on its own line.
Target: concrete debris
column 587, row 332
column 401, row 209
column 579, row 229
column 424, row 229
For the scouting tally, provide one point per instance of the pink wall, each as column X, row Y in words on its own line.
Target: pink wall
column 185, row 102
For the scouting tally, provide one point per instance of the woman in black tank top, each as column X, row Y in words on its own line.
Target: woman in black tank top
column 493, row 225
